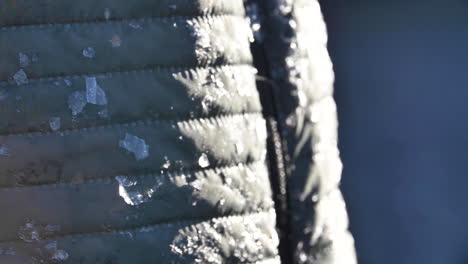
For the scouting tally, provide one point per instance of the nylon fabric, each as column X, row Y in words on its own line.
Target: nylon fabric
column 132, row 133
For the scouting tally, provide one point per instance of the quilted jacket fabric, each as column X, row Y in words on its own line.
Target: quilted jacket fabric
column 133, row 132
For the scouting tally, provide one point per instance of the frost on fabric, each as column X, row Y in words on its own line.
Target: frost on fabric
column 4, row 151
column 77, row 102
column 20, row 77
column 125, row 181
column 207, row 103
column 7, row 251
column 213, row 87
column 307, row 74
column 54, row 123
column 260, row 129
column 107, row 13
column 53, row 253
column 235, row 188
column 89, row 52
column 104, row 113
column 94, row 93
column 135, row 25
column 132, row 197
column 203, row 47
column 212, row 36
column 167, row 163
column 135, row 145
column 34, row 231
column 213, row 79
column 115, row 41
column 233, row 239
column 23, row 60
column 34, row 58
column 239, row 148
column 224, row 190
column 329, row 239
column 203, row 161
column 135, row 192
column 37, row 234
column 208, row 87
column 208, row 34
column 29, row 232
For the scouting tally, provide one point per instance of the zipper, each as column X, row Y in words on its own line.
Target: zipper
column 275, row 155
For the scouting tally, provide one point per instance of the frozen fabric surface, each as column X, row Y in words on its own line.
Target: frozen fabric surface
column 294, row 37
column 131, row 132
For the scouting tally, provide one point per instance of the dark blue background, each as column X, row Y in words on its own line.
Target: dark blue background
column 402, row 93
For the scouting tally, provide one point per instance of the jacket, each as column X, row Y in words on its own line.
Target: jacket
column 170, row 131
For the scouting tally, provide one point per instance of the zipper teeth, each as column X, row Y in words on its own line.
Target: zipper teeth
column 275, row 146
column 279, row 160
column 279, row 183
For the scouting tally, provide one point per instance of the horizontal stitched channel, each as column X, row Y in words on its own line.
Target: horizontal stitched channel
column 165, row 225
column 115, row 21
column 146, row 68
column 108, row 180
column 136, row 123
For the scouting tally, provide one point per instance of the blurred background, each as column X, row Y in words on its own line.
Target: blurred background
column 402, row 93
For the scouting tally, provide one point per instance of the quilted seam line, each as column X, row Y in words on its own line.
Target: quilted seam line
column 174, row 18
column 166, row 173
column 197, row 123
column 143, row 69
column 189, row 221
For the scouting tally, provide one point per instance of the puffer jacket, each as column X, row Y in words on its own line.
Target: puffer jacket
column 156, row 132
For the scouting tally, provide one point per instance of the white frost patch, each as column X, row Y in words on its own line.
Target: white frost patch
column 21, row 77
column 94, row 93
column 89, row 52
column 54, row 253
column 203, row 161
column 135, row 25
column 125, row 181
column 24, row 60
column 260, row 129
column 4, row 151
column 131, row 198
column 107, row 13
column 135, row 145
column 130, row 192
column 54, row 123
column 239, row 239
